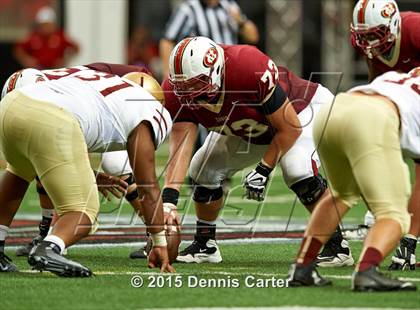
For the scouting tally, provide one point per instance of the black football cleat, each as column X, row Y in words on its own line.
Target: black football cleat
column 200, row 253
column 143, row 253
column 404, row 257
column 26, row 249
column 300, row 275
column 371, row 280
column 336, row 253
column 6, row 264
column 139, row 254
column 46, row 256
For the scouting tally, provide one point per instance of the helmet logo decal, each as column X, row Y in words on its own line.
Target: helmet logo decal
column 210, row 57
column 388, row 10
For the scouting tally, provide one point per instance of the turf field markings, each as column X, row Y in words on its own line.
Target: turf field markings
column 214, row 272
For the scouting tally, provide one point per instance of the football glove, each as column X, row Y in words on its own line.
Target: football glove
column 404, row 257
column 256, row 181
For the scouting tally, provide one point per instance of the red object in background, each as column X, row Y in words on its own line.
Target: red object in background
column 49, row 51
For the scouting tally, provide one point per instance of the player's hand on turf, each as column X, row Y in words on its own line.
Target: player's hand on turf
column 110, row 184
column 170, row 214
column 256, row 181
column 158, row 258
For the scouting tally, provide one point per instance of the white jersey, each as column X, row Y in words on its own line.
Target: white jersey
column 107, row 107
column 404, row 90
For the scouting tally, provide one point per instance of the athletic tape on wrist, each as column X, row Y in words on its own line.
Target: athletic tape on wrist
column 159, row 239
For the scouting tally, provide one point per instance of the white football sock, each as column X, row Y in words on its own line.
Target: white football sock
column 56, row 240
column 206, row 222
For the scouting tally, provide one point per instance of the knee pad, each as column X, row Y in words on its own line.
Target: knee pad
column 132, row 192
column 203, row 194
column 310, row 189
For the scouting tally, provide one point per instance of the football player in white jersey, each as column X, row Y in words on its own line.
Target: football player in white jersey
column 361, row 140
column 90, row 111
column 112, row 163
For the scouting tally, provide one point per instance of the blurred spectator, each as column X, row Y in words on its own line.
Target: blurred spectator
column 220, row 20
column 47, row 46
column 142, row 49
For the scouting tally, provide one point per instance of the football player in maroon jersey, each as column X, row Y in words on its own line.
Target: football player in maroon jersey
column 390, row 41
column 257, row 113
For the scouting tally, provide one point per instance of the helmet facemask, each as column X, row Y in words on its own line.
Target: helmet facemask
column 375, row 28
column 374, row 41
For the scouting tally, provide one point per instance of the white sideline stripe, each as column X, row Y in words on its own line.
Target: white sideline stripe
column 213, row 272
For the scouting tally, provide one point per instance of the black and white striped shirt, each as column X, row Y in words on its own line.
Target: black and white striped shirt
column 195, row 18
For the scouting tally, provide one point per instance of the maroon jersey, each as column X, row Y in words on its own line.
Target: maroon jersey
column 253, row 88
column 406, row 53
column 116, row 69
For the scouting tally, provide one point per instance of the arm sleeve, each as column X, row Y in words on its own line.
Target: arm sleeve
column 179, row 25
column 275, row 102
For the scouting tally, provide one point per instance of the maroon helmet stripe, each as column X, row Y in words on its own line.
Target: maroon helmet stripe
column 362, row 10
column 178, row 56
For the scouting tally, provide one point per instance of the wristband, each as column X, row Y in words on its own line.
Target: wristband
column 159, row 239
column 263, row 169
column 170, row 195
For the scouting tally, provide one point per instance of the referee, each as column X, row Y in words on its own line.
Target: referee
column 219, row 20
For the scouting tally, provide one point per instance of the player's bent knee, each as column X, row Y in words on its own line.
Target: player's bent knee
column 91, row 210
column 309, row 190
column 204, row 195
column 401, row 216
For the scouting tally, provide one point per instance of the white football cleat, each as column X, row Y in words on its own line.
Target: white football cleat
column 200, row 253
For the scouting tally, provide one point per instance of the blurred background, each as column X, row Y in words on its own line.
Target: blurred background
column 307, row 36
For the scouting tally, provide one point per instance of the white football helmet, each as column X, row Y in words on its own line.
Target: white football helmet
column 22, row 78
column 375, row 26
column 196, row 68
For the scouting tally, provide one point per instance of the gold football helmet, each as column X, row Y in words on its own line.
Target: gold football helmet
column 148, row 83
